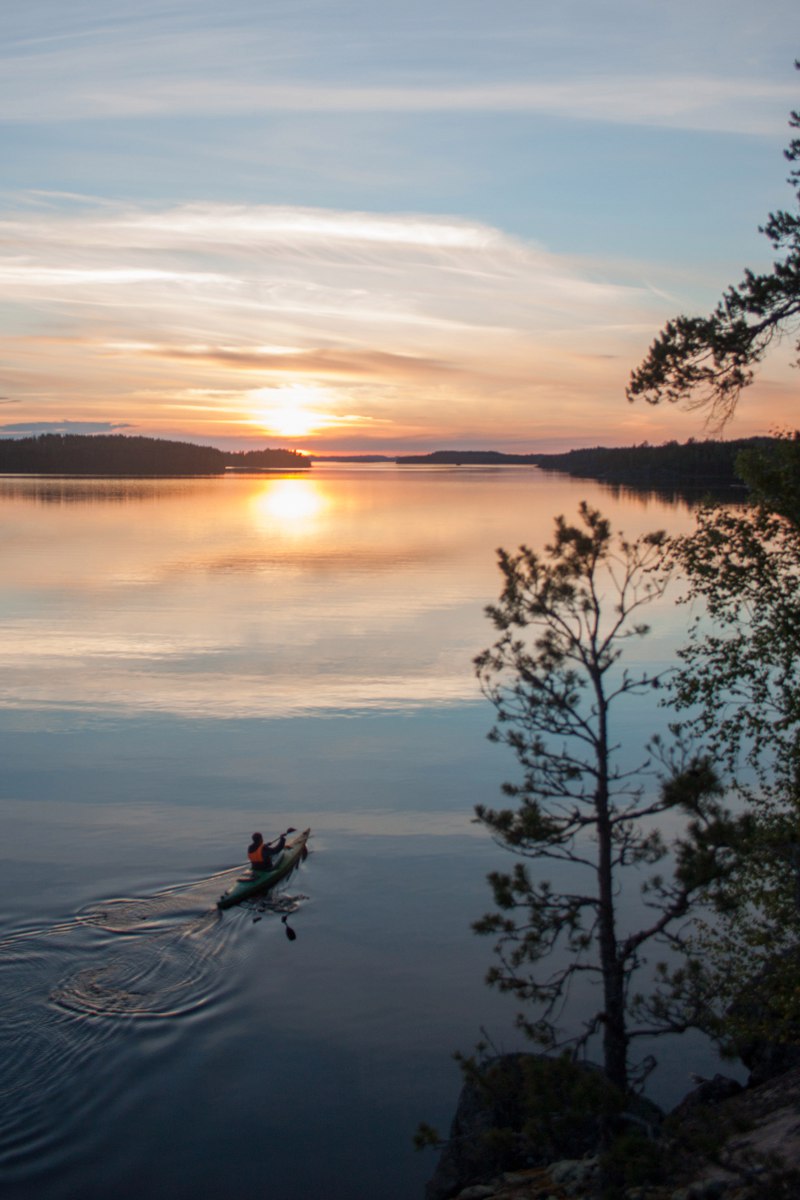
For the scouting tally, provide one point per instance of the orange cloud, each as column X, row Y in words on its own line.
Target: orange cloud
column 368, row 364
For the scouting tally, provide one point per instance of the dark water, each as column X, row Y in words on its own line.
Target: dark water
column 182, row 662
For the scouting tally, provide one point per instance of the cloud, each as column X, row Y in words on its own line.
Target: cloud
column 577, row 65
column 221, row 74
column 367, row 364
column 410, row 320
column 235, row 260
column 31, row 428
column 422, row 325
column 678, row 102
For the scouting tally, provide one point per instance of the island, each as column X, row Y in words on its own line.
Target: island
column 120, row 454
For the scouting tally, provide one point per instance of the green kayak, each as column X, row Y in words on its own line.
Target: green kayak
column 256, row 882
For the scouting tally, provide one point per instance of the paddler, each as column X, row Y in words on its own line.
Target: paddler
column 260, row 852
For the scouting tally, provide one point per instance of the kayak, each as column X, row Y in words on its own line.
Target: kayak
column 256, row 882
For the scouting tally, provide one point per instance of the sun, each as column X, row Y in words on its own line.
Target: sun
column 291, row 412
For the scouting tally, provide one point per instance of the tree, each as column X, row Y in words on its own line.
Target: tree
column 555, row 678
column 741, row 668
column 706, row 361
column 740, row 680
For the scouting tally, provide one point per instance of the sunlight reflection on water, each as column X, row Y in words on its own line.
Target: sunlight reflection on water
column 251, row 596
column 182, row 661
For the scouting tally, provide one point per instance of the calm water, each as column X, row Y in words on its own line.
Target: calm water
column 182, row 661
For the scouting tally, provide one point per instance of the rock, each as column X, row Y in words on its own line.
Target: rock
column 522, row 1111
column 470, row 1155
column 752, row 1139
column 574, row 1174
column 766, row 1060
column 707, row 1189
column 723, row 1142
column 709, row 1091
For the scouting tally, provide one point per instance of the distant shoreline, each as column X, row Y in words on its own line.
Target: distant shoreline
column 694, row 465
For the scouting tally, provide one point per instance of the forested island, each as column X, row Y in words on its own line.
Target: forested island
column 119, row 454
column 692, row 464
column 466, row 458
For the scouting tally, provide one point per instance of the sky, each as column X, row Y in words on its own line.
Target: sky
column 354, row 227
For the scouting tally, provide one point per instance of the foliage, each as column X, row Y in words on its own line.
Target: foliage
column 772, row 472
column 548, row 1103
column 632, row 1160
column 426, row 1136
column 554, row 677
column 706, row 361
column 528, row 1109
column 740, row 681
column 533, row 1109
column 741, row 674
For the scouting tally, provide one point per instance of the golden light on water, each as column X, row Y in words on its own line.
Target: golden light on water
column 291, row 504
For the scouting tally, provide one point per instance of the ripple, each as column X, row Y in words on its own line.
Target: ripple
column 114, row 995
column 166, row 974
column 170, row 906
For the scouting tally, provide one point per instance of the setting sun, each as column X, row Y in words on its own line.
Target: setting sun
column 291, row 412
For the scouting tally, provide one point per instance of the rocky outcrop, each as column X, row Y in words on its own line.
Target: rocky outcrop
column 524, row 1112
column 722, row 1142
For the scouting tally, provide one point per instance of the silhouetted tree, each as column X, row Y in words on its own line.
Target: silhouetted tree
column 740, row 680
column 706, row 361
column 555, row 677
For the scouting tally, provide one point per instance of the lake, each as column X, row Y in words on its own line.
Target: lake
column 183, row 661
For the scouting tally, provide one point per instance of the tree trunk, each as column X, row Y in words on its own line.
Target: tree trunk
column 615, row 1037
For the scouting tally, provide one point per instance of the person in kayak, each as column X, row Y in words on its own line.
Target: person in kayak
column 260, row 852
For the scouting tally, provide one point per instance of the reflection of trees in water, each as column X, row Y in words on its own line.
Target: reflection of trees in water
column 676, row 497
column 89, row 490
column 679, row 474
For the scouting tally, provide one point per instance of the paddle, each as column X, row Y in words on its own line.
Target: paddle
column 290, row 933
column 291, row 829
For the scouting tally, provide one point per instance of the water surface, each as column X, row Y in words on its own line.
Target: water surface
column 181, row 662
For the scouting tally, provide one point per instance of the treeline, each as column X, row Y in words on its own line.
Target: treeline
column 119, row 454
column 682, row 465
column 267, row 460
column 709, row 464
column 467, row 458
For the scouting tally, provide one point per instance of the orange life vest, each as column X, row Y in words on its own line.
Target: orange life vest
column 259, row 856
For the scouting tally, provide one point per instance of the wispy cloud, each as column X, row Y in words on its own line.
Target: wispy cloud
column 328, row 364
column 180, row 318
column 30, row 428
column 148, row 63
column 690, row 102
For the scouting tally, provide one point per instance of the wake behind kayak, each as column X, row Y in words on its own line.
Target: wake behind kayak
column 257, row 882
